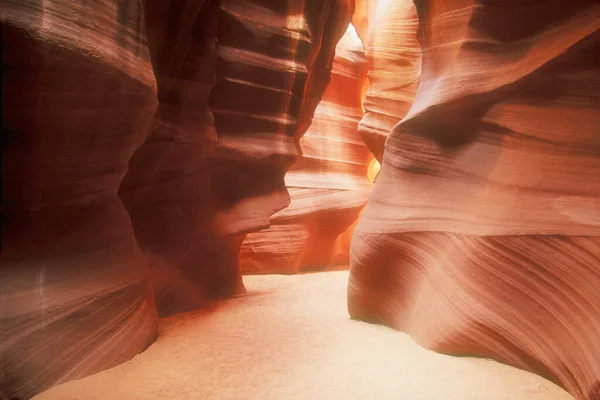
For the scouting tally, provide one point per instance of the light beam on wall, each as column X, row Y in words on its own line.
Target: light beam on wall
column 373, row 170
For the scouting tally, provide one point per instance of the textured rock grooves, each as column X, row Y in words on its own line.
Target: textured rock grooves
column 494, row 179
column 77, row 98
column 328, row 185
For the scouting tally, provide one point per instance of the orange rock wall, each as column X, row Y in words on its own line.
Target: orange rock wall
column 482, row 234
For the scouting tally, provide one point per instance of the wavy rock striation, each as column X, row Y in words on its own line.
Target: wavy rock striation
column 493, row 179
column 78, row 96
column 328, row 185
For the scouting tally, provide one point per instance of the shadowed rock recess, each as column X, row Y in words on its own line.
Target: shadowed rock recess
column 482, row 233
column 155, row 150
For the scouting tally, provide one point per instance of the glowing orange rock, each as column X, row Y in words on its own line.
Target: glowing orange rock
column 328, row 186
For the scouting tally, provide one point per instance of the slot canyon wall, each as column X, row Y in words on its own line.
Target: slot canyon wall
column 144, row 143
column 482, row 233
column 328, row 185
column 78, row 94
column 141, row 141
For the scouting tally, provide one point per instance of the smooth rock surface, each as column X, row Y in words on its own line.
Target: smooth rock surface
column 482, row 233
column 291, row 338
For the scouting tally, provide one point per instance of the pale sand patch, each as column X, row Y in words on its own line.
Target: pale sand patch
column 291, row 338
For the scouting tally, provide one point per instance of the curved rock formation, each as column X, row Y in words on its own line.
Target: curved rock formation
column 389, row 33
column 328, row 185
column 493, row 182
column 78, row 96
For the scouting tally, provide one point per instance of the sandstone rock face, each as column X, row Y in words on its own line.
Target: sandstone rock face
column 237, row 85
column 389, row 33
column 482, row 234
column 238, row 82
column 328, row 185
column 78, row 96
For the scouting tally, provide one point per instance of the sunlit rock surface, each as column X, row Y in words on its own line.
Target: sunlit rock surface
column 482, row 235
column 389, row 32
column 78, row 95
column 328, row 185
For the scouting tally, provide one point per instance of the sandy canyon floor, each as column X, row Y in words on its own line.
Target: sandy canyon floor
column 290, row 337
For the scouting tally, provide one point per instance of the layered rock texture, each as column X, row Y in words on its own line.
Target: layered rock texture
column 78, row 96
column 482, row 234
column 237, row 83
column 328, row 185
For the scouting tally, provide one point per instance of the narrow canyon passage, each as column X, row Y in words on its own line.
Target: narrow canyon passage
column 205, row 199
column 290, row 337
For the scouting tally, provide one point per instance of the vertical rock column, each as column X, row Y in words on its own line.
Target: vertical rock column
column 78, row 95
column 482, row 235
column 274, row 65
column 167, row 189
column 328, row 185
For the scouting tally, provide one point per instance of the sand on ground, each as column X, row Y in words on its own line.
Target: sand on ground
column 291, row 338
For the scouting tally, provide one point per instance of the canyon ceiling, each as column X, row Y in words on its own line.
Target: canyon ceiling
column 153, row 151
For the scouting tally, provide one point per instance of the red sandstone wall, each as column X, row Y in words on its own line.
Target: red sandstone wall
column 236, row 90
column 482, row 234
